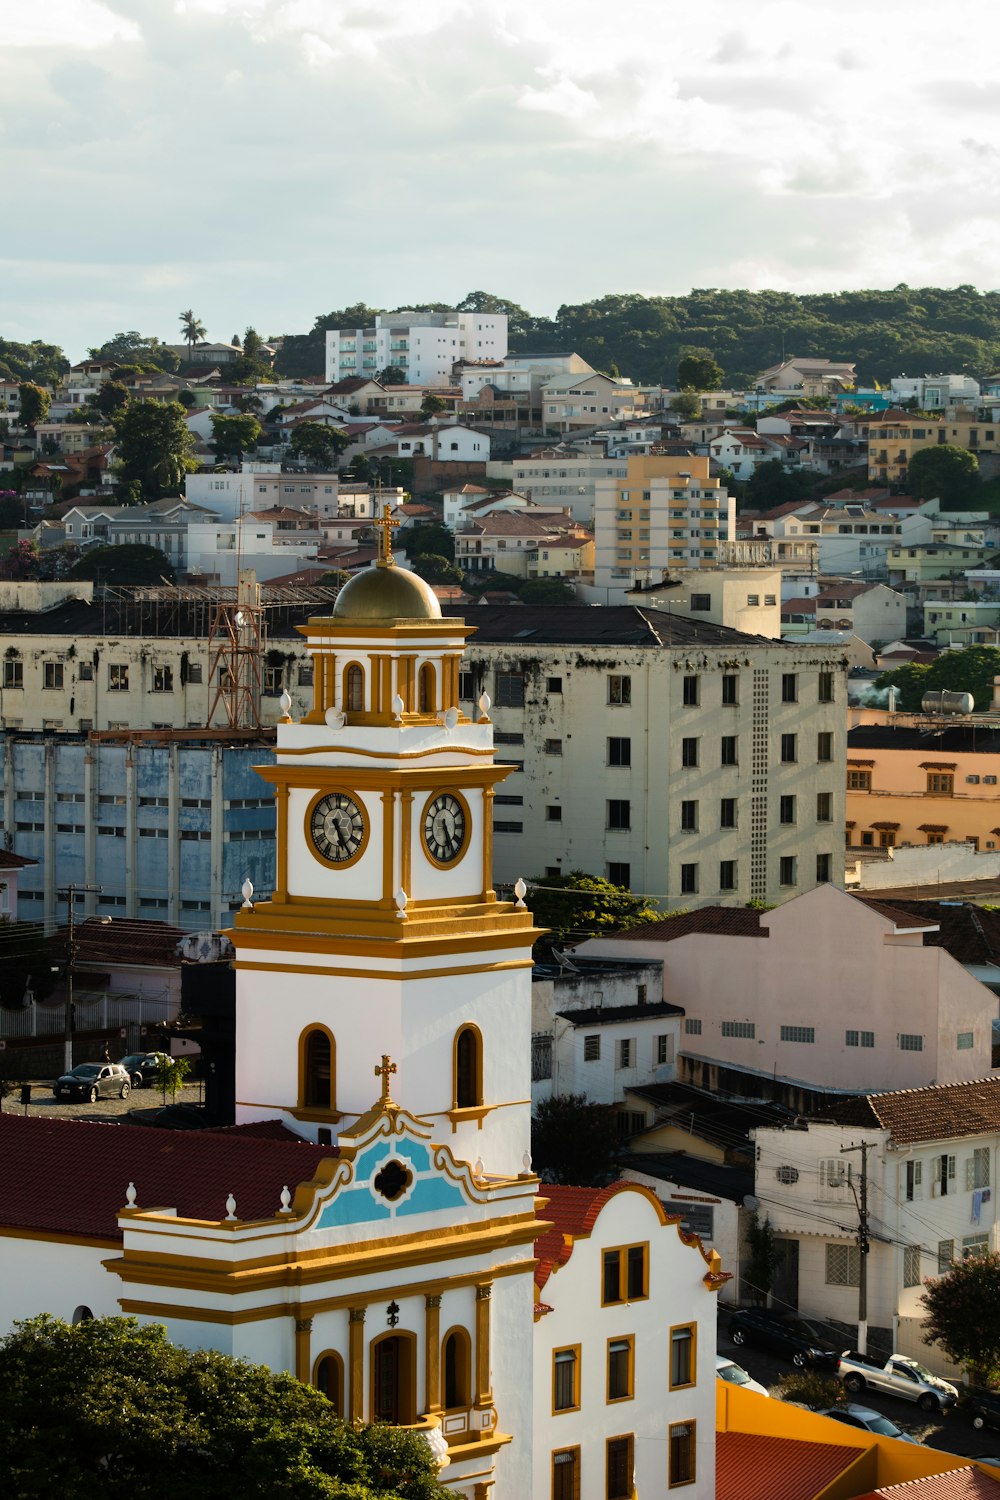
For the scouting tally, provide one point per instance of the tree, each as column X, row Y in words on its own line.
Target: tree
column 252, row 344
column 698, row 370
column 430, row 537
column 170, row 1073
column 547, row 591
column 192, row 328
column 137, row 349
column 154, row 1420
column 686, row 406
column 232, row 436
column 772, row 484
column 763, row 1258
column 519, row 320
column 963, row 1315
column 578, row 906
column 431, row 405
column 575, row 1142
column 318, row 445
column 391, row 375
column 335, row 579
column 35, row 403
column 187, row 398
column 153, row 446
column 946, row 473
column 25, row 963
column 38, row 362
column 131, row 564
column 112, row 398
column 20, row 561
column 969, row 671
column 434, row 568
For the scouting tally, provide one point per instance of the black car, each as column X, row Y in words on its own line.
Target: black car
column 92, row 1081
column 784, row 1334
column 141, row 1067
column 982, row 1407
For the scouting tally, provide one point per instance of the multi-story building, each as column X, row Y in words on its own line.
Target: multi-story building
column 560, row 476
column 850, row 538
column 741, row 598
column 666, row 512
column 424, row 345
column 524, row 545
column 258, row 486
column 662, row 752
column 571, row 402
column 894, row 438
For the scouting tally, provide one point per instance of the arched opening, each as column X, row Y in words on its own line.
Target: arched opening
column 317, row 1069
column 427, row 689
column 328, row 1377
column 82, row 1315
column 354, row 689
column 468, row 1068
column 457, row 1369
column 394, row 1379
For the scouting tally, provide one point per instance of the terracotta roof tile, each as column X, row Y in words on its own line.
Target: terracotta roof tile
column 943, row 1111
column 752, row 1467
column 967, row 931
column 124, row 940
column 903, row 919
column 11, row 861
column 573, row 1213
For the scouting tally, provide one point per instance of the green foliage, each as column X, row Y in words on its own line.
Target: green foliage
column 811, row 1389
column 140, row 1416
column 430, row 537
column 431, row 405
column 519, row 320
column 763, row 1258
column 132, row 563
column 187, row 398
column 578, row 906
column 41, row 363
column 318, row 445
column 20, row 561
column 233, row 436
column 772, row 484
column 252, row 344
column 192, row 328
column 25, row 961
column 434, row 568
column 547, row 591
column 575, row 1142
column 132, row 348
column 336, row 578
column 170, row 1073
column 35, row 403
column 963, row 1315
column 686, row 407
column 153, row 446
column 969, row 671
column 946, row 473
column 392, row 375
column 112, row 398
column 698, row 370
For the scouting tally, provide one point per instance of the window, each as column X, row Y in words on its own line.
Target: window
column 753, row 599
column 566, row 1474
column 592, row 1048
column 745, row 1029
column 304, row 675
column 553, row 684
column 826, row 687
column 691, row 692
column 163, row 679
column 553, row 814
column 965, row 1041
column 52, row 674
column 701, row 602
column 729, row 689
column 914, row 1181
column 788, row 748
column 621, row 1369
column 620, row 873
column 456, row 1361
column 692, row 1027
column 824, row 745
column 619, row 691
column 619, row 815
column 619, row 1468
column 118, row 677
column 317, row 1071
column 624, row 1274
column 193, row 671
column 619, row 751
column 510, row 689
column 727, row 812
column 328, row 1378
column 975, row 1244
column 689, row 880
column 786, row 810
column 427, row 689
column 940, row 783
column 789, row 687
column 625, row 1051
column 944, row 1173
column 977, row 1169
column 945, row 1255
column 689, row 817
column 798, row 1033
column 823, row 868
column 727, row 875
column 553, row 747
column 729, row 744
column 468, row 1068
column 467, row 686
column 911, row 1265
column 786, row 869
column 859, row 1038
column 566, row 1379
column 502, row 826
column 910, row 1042
column 843, row 1265
column 683, row 1342
column 681, row 1448
column 13, row 674
column 824, row 807
column 664, row 1050
column 689, row 752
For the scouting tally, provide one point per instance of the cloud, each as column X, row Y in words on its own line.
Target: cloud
column 86, row 25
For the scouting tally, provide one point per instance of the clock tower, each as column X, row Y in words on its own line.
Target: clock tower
column 383, row 934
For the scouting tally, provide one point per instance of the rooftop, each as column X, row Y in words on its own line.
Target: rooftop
column 609, row 625
column 608, row 1015
column 942, row 1111
column 752, row 1467
column 572, row 1212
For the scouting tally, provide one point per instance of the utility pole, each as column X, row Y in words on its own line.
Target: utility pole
column 70, row 892
column 861, row 1199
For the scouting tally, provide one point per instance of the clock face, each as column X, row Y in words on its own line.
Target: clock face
column 338, row 828
column 445, row 828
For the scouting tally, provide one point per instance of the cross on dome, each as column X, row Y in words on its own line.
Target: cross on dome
column 385, row 526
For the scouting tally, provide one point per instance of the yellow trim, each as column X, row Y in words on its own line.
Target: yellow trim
column 281, row 873
column 446, row 864
column 677, row 1484
column 388, row 842
column 684, row 1385
column 621, row 1437
column 330, row 1108
column 622, row 1252
column 460, row 1108
column 355, row 801
column 407, row 1375
column 381, row 778
column 484, row 1363
column 346, row 750
column 457, row 1331
column 338, row 1363
column 406, row 838
column 303, row 1328
column 478, row 1448
column 629, row 1339
column 432, row 1352
column 427, row 702
column 346, row 706
column 574, row 1349
column 488, row 894
column 322, row 631
column 356, row 1356
column 340, row 973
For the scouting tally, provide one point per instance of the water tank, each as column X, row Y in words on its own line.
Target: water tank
column 947, row 703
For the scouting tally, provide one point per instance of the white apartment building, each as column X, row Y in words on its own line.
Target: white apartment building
column 656, row 750
column 666, row 512
column 522, row 374
column 259, row 486
column 575, row 401
column 221, row 551
column 560, row 476
column 425, row 345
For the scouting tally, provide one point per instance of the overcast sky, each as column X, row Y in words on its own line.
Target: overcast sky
column 263, row 161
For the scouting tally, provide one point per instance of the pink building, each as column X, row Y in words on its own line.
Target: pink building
column 11, row 865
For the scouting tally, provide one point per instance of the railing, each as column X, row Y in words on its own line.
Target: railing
column 93, row 1011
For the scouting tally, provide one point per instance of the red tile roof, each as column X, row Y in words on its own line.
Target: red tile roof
column 573, row 1213
column 942, row 1111
column 70, row 1176
column 726, row 921
column 956, row 1484
column 752, row 1467
column 11, row 861
column 913, row 919
column 123, row 940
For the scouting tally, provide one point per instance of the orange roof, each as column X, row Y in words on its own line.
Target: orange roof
column 750, row 1467
column 573, row 1213
column 956, row 1484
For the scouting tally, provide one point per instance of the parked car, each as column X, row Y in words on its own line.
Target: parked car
column 734, row 1374
column 785, row 1334
column 871, row 1421
column 898, row 1376
column 982, row 1407
column 93, row 1081
column 141, row 1067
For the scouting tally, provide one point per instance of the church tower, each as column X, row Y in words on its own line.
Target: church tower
column 383, row 934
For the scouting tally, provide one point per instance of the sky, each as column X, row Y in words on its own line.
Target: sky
column 266, row 161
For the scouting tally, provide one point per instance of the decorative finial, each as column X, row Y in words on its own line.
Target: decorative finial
column 130, row 1195
column 397, row 707
column 230, row 1207
column 385, row 526
column 384, row 1072
column 334, row 718
column 520, row 891
column 485, row 704
column 246, row 890
column 526, row 1161
column 286, row 1201
column 450, row 718
column 401, row 899
column 286, row 705
column 479, row 1169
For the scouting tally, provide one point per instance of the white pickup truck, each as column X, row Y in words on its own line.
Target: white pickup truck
column 899, row 1376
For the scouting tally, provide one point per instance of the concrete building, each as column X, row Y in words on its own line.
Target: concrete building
column 746, row 599
column 893, row 438
column 560, row 476
column 525, row 545
column 657, row 750
column 935, row 392
column 258, row 485
column 572, row 402
column 850, row 538
column 425, row 345
column 11, row 867
column 666, row 512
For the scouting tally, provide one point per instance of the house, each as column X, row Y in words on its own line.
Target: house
column 808, row 376
column 570, row 402
column 562, row 476
column 512, row 542
column 746, row 598
column 11, row 865
column 446, row 444
column 424, row 345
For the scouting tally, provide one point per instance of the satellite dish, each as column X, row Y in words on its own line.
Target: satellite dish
column 750, row 1202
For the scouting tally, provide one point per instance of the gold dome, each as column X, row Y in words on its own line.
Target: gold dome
column 387, row 593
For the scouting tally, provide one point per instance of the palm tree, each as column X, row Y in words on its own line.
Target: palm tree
column 194, row 329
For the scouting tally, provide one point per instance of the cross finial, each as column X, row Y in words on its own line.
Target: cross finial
column 385, row 527
column 384, row 1072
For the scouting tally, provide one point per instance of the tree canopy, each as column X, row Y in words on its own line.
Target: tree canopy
column 318, row 445
column 429, row 536
column 772, row 484
column 946, row 473
column 969, row 671
column 131, row 563
column 233, row 436
column 153, row 446
column 577, row 906
column 139, row 349
column 143, row 1417
column 35, row 403
column 699, row 370
column 434, row 568
column 37, row 361
column 575, row 1142
column 963, row 1315
column 112, row 397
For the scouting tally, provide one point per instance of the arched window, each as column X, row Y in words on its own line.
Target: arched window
column 394, row 1379
column 428, row 689
column 457, row 1363
column 317, row 1069
column 354, row 689
column 468, row 1068
column 82, row 1315
column 328, row 1377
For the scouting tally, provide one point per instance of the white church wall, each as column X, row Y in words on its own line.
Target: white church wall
column 512, row 1360
column 43, row 1276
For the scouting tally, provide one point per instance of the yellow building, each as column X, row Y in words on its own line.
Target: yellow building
column 667, row 512
column 893, row 440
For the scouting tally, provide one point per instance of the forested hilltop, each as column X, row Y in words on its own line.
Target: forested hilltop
column 908, row 330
